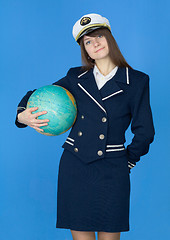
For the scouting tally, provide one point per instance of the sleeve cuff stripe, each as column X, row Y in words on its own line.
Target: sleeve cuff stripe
column 20, row 108
column 131, row 164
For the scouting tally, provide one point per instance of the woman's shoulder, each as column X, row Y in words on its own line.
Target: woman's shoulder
column 137, row 78
column 137, row 73
column 75, row 71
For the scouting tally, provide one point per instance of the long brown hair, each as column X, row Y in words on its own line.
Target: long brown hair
column 114, row 51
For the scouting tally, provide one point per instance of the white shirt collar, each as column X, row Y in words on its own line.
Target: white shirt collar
column 98, row 74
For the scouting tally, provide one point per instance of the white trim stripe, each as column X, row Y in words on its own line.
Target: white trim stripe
column 131, row 163
column 82, row 74
column 20, row 108
column 130, row 166
column 112, row 150
column 69, row 143
column 127, row 75
column 92, row 97
column 120, row 145
column 70, row 139
column 112, row 94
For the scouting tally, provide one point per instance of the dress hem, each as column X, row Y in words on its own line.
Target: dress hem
column 118, row 229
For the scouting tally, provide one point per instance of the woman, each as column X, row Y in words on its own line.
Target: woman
column 93, row 181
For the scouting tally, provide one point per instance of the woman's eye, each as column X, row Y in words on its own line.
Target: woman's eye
column 87, row 42
column 100, row 36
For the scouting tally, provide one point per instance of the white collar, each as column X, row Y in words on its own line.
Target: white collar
column 96, row 73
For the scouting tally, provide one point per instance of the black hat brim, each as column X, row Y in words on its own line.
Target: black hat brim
column 88, row 31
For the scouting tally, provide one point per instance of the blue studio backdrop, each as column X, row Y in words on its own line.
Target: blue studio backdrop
column 37, row 48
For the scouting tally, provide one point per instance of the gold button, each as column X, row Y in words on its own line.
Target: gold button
column 100, row 153
column 76, row 149
column 104, row 119
column 101, row 136
column 82, row 116
column 80, row 133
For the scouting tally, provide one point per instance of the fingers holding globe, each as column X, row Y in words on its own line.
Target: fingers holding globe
column 60, row 106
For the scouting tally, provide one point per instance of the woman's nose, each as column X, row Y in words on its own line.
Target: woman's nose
column 96, row 42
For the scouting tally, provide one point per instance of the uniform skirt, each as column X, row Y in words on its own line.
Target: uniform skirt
column 94, row 196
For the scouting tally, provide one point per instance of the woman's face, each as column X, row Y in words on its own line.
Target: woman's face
column 96, row 47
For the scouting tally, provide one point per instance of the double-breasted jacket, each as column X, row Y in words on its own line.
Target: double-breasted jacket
column 104, row 115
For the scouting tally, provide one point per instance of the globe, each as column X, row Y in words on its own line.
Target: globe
column 60, row 106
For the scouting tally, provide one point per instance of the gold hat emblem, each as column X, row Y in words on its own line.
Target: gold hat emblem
column 85, row 21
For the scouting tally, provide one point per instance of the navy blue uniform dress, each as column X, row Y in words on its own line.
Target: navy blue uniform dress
column 94, row 171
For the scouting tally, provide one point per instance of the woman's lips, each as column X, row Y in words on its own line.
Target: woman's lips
column 99, row 49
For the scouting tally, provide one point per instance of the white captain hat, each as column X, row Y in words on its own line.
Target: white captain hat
column 89, row 23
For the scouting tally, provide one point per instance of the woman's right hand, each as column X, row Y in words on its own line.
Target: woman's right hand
column 26, row 117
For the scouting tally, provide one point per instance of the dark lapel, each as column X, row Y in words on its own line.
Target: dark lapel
column 88, row 84
column 112, row 88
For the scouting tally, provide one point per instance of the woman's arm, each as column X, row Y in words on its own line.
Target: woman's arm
column 21, row 107
column 142, row 124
